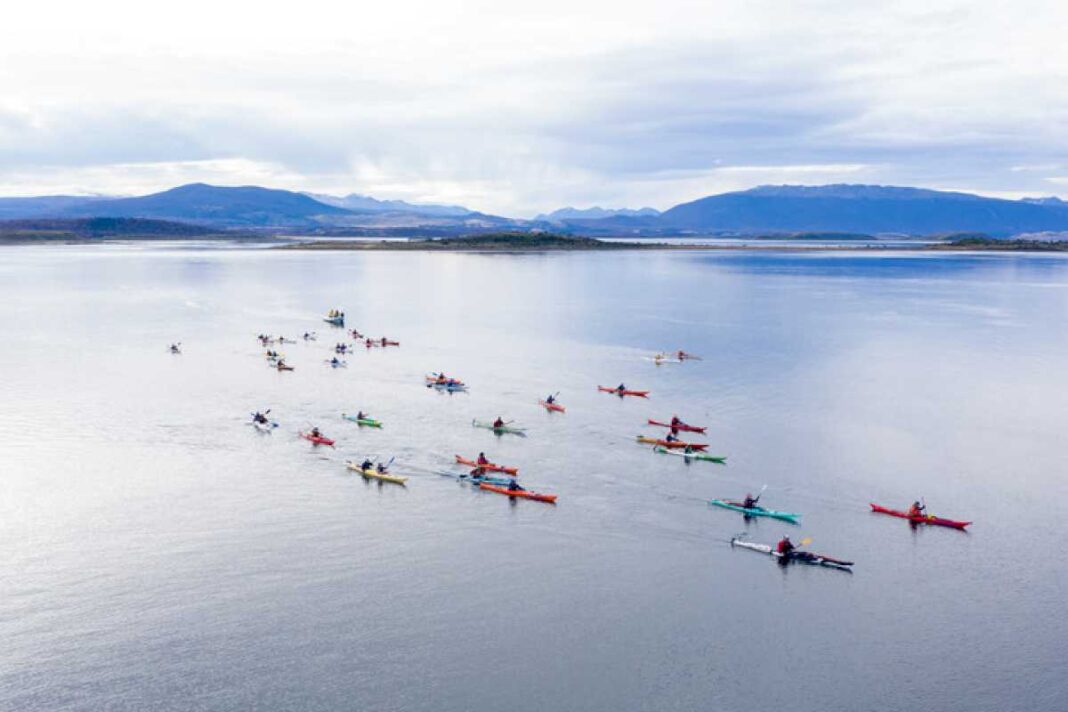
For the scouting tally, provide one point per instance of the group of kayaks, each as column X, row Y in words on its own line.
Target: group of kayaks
column 502, row 479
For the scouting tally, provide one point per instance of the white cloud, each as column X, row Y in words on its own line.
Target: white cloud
column 522, row 107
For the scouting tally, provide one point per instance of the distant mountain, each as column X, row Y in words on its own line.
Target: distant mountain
column 14, row 208
column 366, row 204
column 247, row 206
column 45, row 229
column 595, row 213
column 1049, row 200
column 867, row 209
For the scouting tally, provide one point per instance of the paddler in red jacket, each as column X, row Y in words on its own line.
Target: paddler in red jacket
column 917, row 510
column 785, row 547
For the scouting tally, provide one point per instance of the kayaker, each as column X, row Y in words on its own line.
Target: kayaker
column 688, row 450
column 175, row 349
column 383, row 341
column 315, row 433
column 482, row 459
column 550, row 399
column 381, row 469
column 917, row 510
column 360, row 415
column 785, row 547
column 670, row 438
column 682, row 355
column 675, row 422
column 498, row 423
column 750, row 502
column 259, row 417
column 281, row 365
column 367, row 464
column 335, row 362
column 513, row 486
column 621, row 389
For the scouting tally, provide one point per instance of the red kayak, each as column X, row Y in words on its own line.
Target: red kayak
column 525, row 494
column 489, row 466
column 681, row 426
column 318, row 440
column 552, row 407
column 936, row 521
column 639, row 394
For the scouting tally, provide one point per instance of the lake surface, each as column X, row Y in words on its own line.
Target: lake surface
column 159, row 553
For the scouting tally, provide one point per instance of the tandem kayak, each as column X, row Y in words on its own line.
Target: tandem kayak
column 510, row 429
column 369, row 422
column 929, row 519
column 719, row 460
column 681, row 426
column 489, row 466
column 551, row 407
column 525, row 494
column 673, row 444
column 801, row 557
column 374, row 474
column 475, row 479
column 318, row 440
column 756, row 511
column 639, row 394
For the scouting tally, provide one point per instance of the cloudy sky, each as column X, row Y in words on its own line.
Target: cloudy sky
column 515, row 108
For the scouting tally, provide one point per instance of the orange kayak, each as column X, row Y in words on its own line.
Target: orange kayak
column 640, row 394
column 551, row 406
column 671, row 445
column 525, row 494
column 489, row 466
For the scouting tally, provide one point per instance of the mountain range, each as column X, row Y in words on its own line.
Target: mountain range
column 856, row 209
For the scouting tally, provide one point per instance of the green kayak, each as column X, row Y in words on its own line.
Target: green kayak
column 503, row 429
column 719, row 460
column 756, row 511
column 370, row 422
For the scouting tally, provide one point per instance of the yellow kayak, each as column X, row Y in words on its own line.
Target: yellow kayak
column 376, row 475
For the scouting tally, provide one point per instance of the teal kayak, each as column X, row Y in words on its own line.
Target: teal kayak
column 718, row 459
column 503, row 429
column 370, row 422
column 757, row 511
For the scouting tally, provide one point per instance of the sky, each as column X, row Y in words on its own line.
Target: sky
column 519, row 108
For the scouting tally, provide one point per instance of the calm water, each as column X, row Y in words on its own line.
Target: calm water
column 158, row 553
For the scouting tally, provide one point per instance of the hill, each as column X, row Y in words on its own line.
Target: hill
column 247, row 206
column 861, row 209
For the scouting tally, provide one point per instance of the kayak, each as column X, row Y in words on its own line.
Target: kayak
column 475, row 479
column 454, row 388
column 264, row 427
column 803, row 557
column 369, row 422
column 673, row 444
column 658, row 360
column 756, row 511
column 335, row 320
column 681, row 426
column 387, row 342
column 489, row 466
column 525, row 494
column 375, row 474
column 683, row 356
column 339, row 364
column 551, row 407
column 284, row 368
column 639, row 394
column 510, row 429
column 935, row 521
column 317, row 440
column 433, row 379
column 694, row 455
